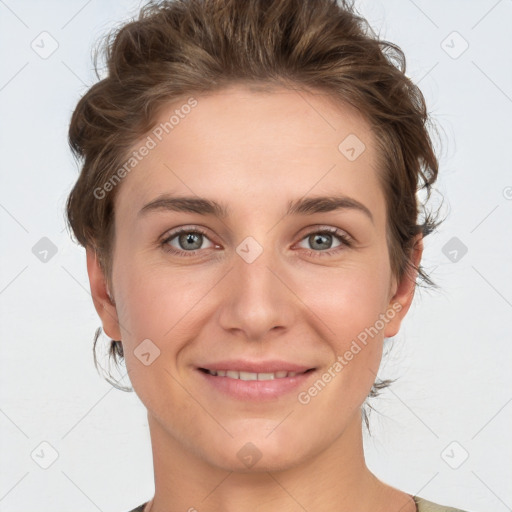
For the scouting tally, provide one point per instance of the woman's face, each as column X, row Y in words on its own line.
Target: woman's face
column 281, row 277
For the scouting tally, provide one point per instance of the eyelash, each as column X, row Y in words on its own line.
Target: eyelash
column 345, row 240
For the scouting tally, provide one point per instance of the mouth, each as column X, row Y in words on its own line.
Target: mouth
column 247, row 376
column 253, row 387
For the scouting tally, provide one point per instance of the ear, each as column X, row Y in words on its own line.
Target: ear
column 104, row 304
column 404, row 293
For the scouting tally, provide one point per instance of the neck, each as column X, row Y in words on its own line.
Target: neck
column 339, row 477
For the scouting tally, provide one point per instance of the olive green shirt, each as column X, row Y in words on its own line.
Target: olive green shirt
column 422, row 505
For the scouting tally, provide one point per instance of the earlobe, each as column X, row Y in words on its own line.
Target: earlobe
column 402, row 299
column 101, row 297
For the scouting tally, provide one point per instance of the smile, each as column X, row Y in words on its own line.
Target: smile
column 241, row 375
column 255, row 386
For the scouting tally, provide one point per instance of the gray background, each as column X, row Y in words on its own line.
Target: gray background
column 452, row 356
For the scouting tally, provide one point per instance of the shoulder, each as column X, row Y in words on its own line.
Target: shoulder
column 429, row 506
column 423, row 506
column 140, row 508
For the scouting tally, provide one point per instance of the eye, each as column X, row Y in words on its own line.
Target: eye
column 186, row 241
column 321, row 241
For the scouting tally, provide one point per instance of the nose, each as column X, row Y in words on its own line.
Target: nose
column 257, row 297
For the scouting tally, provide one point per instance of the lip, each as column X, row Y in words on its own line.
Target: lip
column 268, row 366
column 256, row 390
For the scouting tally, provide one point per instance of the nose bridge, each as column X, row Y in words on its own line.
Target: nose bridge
column 257, row 300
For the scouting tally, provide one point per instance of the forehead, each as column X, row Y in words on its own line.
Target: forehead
column 251, row 143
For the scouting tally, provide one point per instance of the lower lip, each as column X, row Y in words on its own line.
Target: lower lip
column 257, row 389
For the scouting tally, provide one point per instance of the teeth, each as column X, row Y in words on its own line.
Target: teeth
column 233, row 374
column 250, row 376
column 263, row 376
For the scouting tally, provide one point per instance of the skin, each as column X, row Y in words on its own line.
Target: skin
column 254, row 151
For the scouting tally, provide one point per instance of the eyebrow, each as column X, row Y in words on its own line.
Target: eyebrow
column 302, row 206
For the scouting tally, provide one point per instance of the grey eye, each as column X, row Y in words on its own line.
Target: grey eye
column 320, row 241
column 188, row 241
column 192, row 241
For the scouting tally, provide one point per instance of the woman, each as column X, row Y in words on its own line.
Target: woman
column 248, row 207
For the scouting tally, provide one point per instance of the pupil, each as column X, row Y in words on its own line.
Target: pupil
column 319, row 238
column 190, row 238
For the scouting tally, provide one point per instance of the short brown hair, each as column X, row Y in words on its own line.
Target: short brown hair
column 182, row 47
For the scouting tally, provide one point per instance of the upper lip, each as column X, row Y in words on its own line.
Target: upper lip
column 269, row 366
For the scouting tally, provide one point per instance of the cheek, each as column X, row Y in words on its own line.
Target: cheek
column 346, row 299
column 350, row 304
column 159, row 312
column 160, row 303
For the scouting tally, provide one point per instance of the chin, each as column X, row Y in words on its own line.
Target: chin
column 262, row 454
